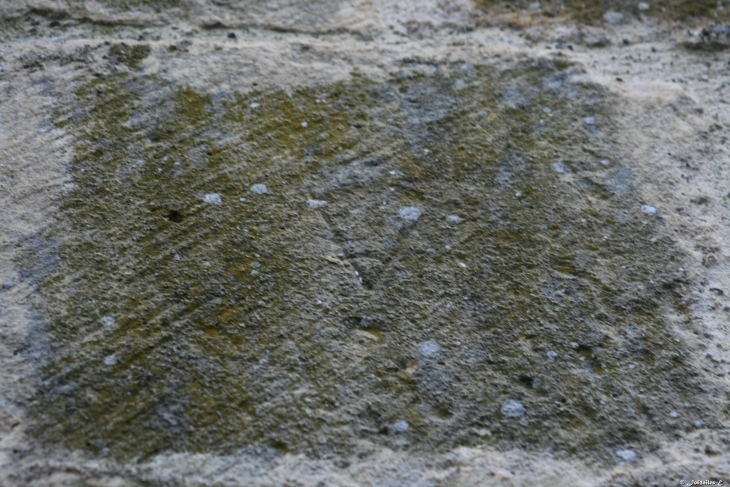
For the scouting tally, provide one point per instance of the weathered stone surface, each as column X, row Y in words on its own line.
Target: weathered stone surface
column 483, row 286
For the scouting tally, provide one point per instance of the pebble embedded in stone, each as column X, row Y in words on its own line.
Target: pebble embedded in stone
column 262, row 304
column 558, row 167
column 254, row 105
column 110, row 360
column 643, row 6
column 400, row 426
column 431, row 251
column 7, row 285
column 409, row 213
column 107, row 321
column 177, row 257
column 482, row 113
column 315, row 204
column 699, row 424
column 605, row 162
column 212, row 198
column 455, row 219
column 589, row 120
column 462, row 265
column 613, row 18
column 648, row 210
column 626, row 455
column 259, row 189
column 255, row 265
column 674, row 414
column 429, row 349
column 304, row 124
column 552, row 355
column 512, row 409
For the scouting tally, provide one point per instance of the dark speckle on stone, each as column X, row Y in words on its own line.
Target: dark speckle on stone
column 231, row 35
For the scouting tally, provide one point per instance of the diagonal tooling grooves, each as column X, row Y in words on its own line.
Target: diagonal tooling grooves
column 181, row 324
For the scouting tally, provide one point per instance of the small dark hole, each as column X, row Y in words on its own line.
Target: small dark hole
column 175, row 216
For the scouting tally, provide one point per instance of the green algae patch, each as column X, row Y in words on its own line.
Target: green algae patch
column 593, row 12
column 425, row 249
column 131, row 56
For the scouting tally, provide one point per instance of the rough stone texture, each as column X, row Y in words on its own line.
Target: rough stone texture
column 165, row 324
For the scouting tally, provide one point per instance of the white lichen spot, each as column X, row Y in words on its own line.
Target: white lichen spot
column 107, row 321
column 259, row 189
column 315, row 204
column 613, row 18
column 400, row 426
column 409, row 213
column 512, row 409
column 626, row 455
column 429, row 349
column 212, row 198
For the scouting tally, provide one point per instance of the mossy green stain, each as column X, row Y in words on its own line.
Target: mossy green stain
column 131, row 56
column 199, row 365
